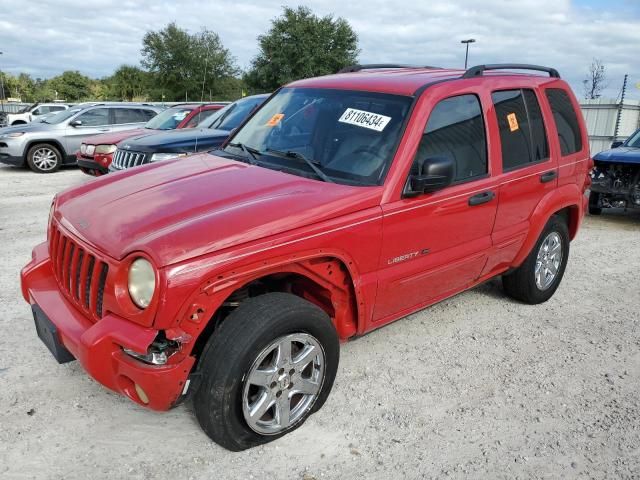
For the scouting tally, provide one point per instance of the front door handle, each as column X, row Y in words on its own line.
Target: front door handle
column 481, row 198
column 548, row 176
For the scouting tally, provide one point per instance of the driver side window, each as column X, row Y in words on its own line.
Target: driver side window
column 456, row 130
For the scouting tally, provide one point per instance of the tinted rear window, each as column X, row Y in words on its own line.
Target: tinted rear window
column 130, row 115
column 566, row 121
column 522, row 133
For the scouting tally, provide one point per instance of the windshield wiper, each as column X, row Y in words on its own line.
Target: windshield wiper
column 251, row 152
column 300, row 156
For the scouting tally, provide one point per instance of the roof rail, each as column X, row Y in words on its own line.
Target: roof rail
column 478, row 70
column 369, row 66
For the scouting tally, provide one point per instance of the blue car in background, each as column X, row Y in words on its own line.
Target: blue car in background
column 208, row 135
column 616, row 176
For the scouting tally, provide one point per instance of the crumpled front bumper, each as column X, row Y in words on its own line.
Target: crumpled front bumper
column 98, row 346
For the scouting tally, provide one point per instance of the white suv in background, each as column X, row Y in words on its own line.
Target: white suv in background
column 29, row 113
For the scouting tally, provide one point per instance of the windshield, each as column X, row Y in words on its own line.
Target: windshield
column 28, row 108
column 351, row 136
column 232, row 115
column 169, row 119
column 62, row 116
column 634, row 141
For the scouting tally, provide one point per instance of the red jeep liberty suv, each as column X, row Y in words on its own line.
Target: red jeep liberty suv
column 344, row 203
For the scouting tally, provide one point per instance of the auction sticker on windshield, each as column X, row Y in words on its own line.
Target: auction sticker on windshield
column 361, row 118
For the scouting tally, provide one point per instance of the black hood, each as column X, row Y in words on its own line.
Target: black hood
column 186, row 140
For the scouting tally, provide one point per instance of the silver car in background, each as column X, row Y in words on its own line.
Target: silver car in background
column 47, row 145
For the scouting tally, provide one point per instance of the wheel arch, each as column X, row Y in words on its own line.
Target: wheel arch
column 324, row 280
column 55, row 143
column 567, row 202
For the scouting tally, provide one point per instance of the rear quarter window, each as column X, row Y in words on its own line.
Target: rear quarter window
column 566, row 121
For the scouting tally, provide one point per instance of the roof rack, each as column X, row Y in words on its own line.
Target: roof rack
column 478, row 70
column 370, row 66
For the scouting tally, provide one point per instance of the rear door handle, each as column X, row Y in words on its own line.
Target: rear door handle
column 548, row 176
column 481, row 198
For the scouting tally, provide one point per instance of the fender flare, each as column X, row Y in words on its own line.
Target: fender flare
column 562, row 197
column 55, row 143
column 199, row 308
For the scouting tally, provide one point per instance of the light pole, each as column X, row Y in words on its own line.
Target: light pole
column 466, row 55
column 2, row 89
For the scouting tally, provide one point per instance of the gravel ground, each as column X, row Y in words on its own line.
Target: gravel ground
column 476, row 386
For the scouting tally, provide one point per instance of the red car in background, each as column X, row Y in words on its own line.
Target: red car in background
column 96, row 153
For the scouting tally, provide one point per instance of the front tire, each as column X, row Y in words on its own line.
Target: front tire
column 594, row 204
column 537, row 279
column 44, row 158
column 270, row 365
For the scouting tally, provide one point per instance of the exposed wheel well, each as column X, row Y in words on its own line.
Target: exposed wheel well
column 570, row 215
column 19, row 122
column 53, row 143
column 325, row 282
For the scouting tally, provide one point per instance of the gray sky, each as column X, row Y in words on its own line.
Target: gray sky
column 43, row 38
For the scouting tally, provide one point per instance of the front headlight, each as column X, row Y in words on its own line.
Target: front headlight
column 83, row 148
column 158, row 157
column 90, row 150
column 142, row 282
column 106, row 149
column 12, row 135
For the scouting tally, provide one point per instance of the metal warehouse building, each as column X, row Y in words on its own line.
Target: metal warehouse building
column 601, row 116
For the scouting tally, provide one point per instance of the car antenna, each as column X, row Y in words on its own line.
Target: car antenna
column 204, row 77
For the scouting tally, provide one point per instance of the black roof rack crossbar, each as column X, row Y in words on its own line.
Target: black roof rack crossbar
column 479, row 69
column 369, row 66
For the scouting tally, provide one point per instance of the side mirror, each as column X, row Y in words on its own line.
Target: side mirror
column 434, row 173
column 76, row 123
column 616, row 144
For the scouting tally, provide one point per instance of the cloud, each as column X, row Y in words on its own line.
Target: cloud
column 45, row 38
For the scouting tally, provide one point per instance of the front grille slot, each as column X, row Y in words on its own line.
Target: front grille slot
column 76, row 292
column 87, row 282
column 101, row 281
column 123, row 159
column 80, row 275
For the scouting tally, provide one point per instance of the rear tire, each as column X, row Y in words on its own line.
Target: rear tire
column 44, row 158
column 594, row 204
column 537, row 279
column 252, row 392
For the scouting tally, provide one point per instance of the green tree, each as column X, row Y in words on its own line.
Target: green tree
column 71, row 86
column 43, row 91
column 128, row 83
column 300, row 44
column 186, row 66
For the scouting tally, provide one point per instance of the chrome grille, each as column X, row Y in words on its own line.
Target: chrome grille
column 125, row 159
column 80, row 275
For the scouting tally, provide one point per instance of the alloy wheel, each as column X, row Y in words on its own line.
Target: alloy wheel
column 548, row 261
column 45, row 159
column 283, row 383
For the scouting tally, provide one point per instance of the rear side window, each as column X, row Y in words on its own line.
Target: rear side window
column 130, row 115
column 522, row 133
column 455, row 129
column 566, row 121
column 148, row 114
column 56, row 109
column 201, row 116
